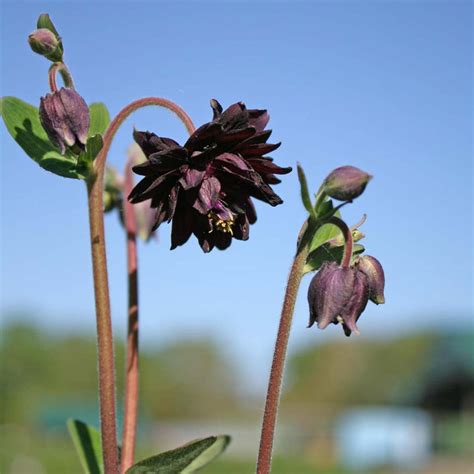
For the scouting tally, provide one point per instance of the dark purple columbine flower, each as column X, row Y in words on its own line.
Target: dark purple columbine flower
column 206, row 186
column 373, row 270
column 337, row 295
column 64, row 116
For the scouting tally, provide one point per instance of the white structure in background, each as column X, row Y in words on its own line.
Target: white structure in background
column 378, row 436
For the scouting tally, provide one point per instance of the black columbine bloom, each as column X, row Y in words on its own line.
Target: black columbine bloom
column 340, row 294
column 206, row 186
column 64, row 116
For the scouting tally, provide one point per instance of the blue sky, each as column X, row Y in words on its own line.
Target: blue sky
column 385, row 86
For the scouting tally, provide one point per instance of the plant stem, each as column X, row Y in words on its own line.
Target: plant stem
column 348, row 240
column 131, row 370
column 101, row 285
column 278, row 364
column 105, row 344
column 65, row 74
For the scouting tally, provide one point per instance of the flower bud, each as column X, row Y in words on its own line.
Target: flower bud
column 346, row 183
column 337, row 295
column 65, row 118
column 45, row 42
column 373, row 270
column 145, row 217
column 113, row 189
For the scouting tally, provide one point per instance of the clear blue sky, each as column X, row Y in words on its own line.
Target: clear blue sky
column 385, row 86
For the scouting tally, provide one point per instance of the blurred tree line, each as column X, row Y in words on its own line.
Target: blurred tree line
column 46, row 378
column 180, row 380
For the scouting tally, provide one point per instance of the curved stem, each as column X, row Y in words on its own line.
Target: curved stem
column 278, row 363
column 131, row 370
column 101, row 285
column 348, row 239
column 65, row 74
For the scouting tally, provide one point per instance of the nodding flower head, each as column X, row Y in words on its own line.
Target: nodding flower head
column 337, row 295
column 64, row 116
column 206, row 186
column 373, row 270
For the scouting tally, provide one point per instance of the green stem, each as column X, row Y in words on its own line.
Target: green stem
column 278, row 363
column 101, row 286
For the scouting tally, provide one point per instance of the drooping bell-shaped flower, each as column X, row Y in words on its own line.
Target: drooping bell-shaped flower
column 337, row 295
column 64, row 116
column 373, row 270
column 346, row 183
column 206, row 186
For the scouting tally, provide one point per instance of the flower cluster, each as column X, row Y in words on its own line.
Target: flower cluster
column 206, row 186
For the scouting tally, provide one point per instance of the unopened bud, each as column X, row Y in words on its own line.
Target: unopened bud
column 65, row 117
column 373, row 270
column 45, row 42
column 346, row 183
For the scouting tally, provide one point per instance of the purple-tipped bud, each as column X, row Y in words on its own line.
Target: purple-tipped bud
column 337, row 295
column 346, row 183
column 65, row 118
column 373, row 270
column 45, row 42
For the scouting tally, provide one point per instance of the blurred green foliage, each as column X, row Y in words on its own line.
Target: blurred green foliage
column 46, row 378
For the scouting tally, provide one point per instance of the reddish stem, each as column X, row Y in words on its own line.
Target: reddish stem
column 101, row 285
column 348, row 240
column 131, row 370
column 65, row 74
column 278, row 364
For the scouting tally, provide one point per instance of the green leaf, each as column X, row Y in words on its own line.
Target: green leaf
column 99, row 118
column 88, row 444
column 304, row 190
column 326, row 253
column 183, row 460
column 23, row 124
column 85, row 160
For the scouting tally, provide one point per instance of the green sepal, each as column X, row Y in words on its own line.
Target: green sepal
column 99, row 118
column 327, row 253
column 88, row 445
column 85, row 159
column 184, row 460
column 44, row 21
column 305, row 197
column 23, row 124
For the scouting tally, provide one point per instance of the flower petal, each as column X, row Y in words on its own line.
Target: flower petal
column 266, row 166
column 258, row 118
column 257, row 149
column 208, row 195
column 152, row 143
column 192, row 178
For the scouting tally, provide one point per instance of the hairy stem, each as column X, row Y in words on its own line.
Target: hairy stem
column 105, row 345
column 131, row 369
column 348, row 240
column 278, row 363
column 65, row 74
column 101, row 286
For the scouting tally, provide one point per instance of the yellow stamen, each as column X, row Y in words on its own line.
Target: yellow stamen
column 220, row 224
